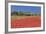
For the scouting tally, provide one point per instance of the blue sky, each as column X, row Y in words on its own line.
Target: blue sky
column 33, row 9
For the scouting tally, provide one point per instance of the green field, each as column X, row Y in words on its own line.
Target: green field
column 22, row 17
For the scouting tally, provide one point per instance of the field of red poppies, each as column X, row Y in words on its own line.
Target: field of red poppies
column 25, row 21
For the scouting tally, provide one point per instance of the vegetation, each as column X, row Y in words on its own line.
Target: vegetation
column 24, row 13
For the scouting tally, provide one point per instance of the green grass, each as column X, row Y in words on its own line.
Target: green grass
column 22, row 17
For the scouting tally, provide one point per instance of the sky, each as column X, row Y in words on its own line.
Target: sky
column 33, row 9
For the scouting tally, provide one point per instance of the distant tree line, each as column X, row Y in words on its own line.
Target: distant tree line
column 23, row 14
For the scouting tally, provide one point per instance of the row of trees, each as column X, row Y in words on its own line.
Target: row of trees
column 23, row 14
